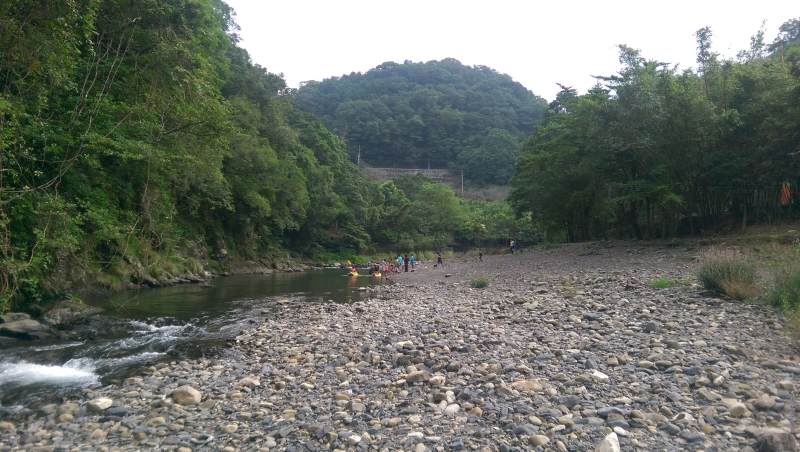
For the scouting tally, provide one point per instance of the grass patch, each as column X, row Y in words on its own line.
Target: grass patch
column 794, row 323
column 479, row 282
column 785, row 292
column 662, row 283
column 731, row 273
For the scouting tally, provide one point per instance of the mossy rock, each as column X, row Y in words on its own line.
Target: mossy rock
column 68, row 311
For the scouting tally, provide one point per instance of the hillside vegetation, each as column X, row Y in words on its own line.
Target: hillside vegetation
column 138, row 142
column 465, row 118
column 656, row 151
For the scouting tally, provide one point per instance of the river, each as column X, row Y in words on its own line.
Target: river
column 171, row 323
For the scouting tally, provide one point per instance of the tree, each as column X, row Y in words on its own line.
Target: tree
column 439, row 112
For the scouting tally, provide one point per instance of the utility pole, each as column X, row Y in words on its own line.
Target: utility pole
column 462, row 182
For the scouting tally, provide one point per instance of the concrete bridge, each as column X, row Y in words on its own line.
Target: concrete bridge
column 390, row 173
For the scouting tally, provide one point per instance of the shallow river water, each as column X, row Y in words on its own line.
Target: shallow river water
column 183, row 321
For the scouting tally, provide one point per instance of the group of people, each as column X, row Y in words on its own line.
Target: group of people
column 388, row 266
column 403, row 263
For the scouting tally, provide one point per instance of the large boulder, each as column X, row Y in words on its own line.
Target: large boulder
column 13, row 317
column 26, row 329
column 186, row 395
column 68, row 311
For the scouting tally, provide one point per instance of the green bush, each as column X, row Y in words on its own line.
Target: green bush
column 662, row 283
column 786, row 292
column 729, row 273
column 479, row 282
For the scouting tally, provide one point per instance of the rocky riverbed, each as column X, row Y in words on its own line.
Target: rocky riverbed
column 562, row 349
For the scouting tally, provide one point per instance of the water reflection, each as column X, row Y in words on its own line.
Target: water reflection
column 187, row 320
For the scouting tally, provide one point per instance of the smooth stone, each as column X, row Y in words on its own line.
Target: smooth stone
column 764, row 402
column 672, row 429
column 737, row 410
column 186, row 395
column 99, row 404
column 609, row 444
column 538, row 440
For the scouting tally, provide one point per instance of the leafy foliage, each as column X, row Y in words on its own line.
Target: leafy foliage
column 442, row 112
column 138, row 142
column 654, row 151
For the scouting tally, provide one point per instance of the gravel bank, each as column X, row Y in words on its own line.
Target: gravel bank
column 562, row 348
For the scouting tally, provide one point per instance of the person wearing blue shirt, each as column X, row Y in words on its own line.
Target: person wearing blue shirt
column 413, row 262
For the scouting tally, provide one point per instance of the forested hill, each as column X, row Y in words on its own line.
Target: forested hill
column 139, row 144
column 462, row 117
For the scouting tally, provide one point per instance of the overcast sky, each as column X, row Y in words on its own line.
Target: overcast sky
column 537, row 43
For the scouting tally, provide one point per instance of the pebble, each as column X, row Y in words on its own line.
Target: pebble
column 186, row 395
column 737, row 410
column 547, row 356
column 99, row 404
column 538, row 440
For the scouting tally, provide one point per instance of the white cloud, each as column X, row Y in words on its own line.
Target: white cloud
column 537, row 43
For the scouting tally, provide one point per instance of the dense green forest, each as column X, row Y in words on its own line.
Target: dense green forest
column 443, row 112
column 138, row 142
column 656, row 151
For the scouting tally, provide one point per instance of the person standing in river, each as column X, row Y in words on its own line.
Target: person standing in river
column 405, row 264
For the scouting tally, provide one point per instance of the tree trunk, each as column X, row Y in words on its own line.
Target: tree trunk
column 634, row 219
column 744, row 215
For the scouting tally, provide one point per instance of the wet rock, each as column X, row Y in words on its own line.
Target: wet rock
column 67, row 311
column 14, row 317
column 25, row 328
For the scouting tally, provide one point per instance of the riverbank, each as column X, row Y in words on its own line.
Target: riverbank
column 563, row 346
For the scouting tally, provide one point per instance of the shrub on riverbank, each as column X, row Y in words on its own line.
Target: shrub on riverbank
column 786, row 292
column 479, row 282
column 662, row 283
column 730, row 273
